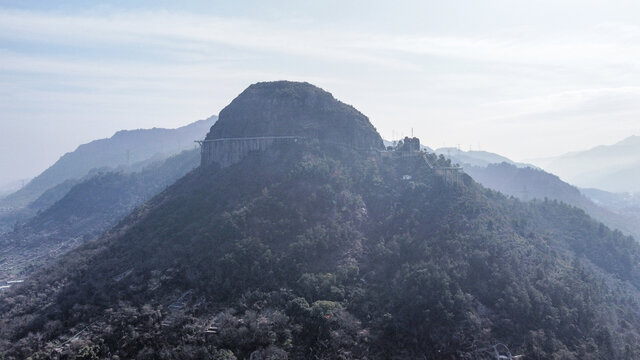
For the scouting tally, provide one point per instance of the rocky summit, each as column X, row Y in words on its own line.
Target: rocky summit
column 286, row 108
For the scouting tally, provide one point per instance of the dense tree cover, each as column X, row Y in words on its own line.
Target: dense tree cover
column 86, row 210
column 528, row 183
column 307, row 251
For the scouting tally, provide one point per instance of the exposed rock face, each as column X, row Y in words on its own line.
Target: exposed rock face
column 229, row 151
column 285, row 108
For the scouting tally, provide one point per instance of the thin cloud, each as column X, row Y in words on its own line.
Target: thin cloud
column 573, row 103
column 185, row 37
column 178, row 33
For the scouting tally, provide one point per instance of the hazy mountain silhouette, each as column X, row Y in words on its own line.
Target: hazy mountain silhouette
column 614, row 168
column 527, row 184
column 123, row 148
column 86, row 209
column 476, row 158
column 613, row 200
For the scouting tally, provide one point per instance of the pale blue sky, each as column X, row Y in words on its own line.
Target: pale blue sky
column 522, row 78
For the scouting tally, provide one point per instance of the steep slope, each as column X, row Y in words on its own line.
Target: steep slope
column 527, row 184
column 285, row 108
column 614, row 168
column 10, row 218
column 125, row 147
column 87, row 209
column 311, row 250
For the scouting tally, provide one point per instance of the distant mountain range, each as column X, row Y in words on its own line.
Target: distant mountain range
column 123, row 148
column 476, row 158
column 79, row 208
column 76, row 211
column 527, row 184
column 614, row 168
column 126, row 151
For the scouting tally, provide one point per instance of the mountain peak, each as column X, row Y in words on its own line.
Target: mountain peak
column 286, row 108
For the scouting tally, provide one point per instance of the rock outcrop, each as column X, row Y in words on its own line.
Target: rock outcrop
column 285, row 109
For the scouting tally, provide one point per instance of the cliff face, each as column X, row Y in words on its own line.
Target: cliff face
column 230, row 151
column 285, row 108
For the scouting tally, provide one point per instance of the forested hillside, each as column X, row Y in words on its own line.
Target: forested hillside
column 300, row 252
column 88, row 208
column 312, row 250
column 9, row 219
column 528, row 183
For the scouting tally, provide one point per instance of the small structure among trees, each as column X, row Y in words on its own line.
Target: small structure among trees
column 408, row 144
column 451, row 173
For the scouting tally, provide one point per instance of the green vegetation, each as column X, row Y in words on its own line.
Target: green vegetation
column 311, row 252
column 86, row 210
column 528, row 183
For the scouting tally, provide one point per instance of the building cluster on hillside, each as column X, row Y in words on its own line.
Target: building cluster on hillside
column 228, row 151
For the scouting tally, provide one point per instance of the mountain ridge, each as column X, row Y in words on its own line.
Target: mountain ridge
column 124, row 147
column 86, row 209
column 614, row 167
column 528, row 184
column 477, row 157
